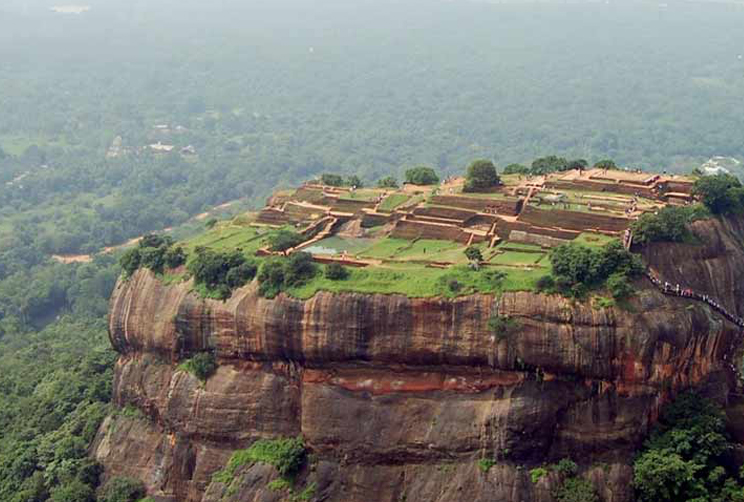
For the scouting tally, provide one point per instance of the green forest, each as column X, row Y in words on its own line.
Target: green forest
column 267, row 99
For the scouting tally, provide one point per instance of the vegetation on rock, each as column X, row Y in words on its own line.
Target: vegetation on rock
column 687, row 457
column 287, row 455
column 154, row 252
column 220, row 272
column 502, row 326
column 721, row 193
column 485, row 464
column 669, row 224
column 278, row 274
column 575, row 490
column 578, row 268
column 538, row 473
column 202, row 365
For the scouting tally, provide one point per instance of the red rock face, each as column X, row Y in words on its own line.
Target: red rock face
column 398, row 398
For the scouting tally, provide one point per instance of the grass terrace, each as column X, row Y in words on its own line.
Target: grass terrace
column 422, row 249
column 402, row 266
column 476, row 195
column 392, row 201
column 365, row 194
column 593, row 239
column 225, row 237
column 337, row 245
column 418, row 281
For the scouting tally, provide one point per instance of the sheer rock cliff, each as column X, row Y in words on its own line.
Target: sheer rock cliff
column 398, row 398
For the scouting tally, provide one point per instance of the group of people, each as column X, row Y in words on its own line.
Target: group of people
column 669, row 289
column 632, row 206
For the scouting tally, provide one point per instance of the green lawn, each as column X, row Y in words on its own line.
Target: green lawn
column 336, row 245
column 475, row 195
column 423, row 249
column 386, row 248
column 428, row 249
column 593, row 239
column 366, row 194
column 226, row 237
column 516, row 258
column 518, row 245
column 392, row 201
column 418, row 281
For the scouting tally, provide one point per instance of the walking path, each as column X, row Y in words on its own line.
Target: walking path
column 667, row 288
column 676, row 290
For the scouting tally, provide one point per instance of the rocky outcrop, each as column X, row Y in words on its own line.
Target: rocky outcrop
column 398, row 398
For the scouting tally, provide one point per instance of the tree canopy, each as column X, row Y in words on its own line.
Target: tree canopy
column 481, row 176
column 721, row 193
column 578, row 268
column 669, row 224
column 421, row 175
column 686, row 458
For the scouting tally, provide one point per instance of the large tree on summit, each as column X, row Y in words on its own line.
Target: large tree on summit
column 481, row 176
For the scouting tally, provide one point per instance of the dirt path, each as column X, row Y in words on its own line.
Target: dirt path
column 72, row 258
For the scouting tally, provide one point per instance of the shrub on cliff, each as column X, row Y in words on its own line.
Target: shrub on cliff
column 502, row 326
column 545, row 284
column 271, row 278
column 202, row 365
column 575, row 490
column 175, row 257
column 153, row 258
column 538, row 473
column 287, row 455
column 278, row 274
column 578, row 268
column 668, row 225
column 122, row 490
column 722, row 193
column 619, row 286
column 299, row 268
column 566, row 467
column 130, row 261
column 154, row 252
column 485, row 464
column 220, row 272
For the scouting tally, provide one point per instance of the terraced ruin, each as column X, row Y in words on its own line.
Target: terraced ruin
column 513, row 225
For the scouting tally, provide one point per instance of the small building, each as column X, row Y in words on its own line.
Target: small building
column 159, row 147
